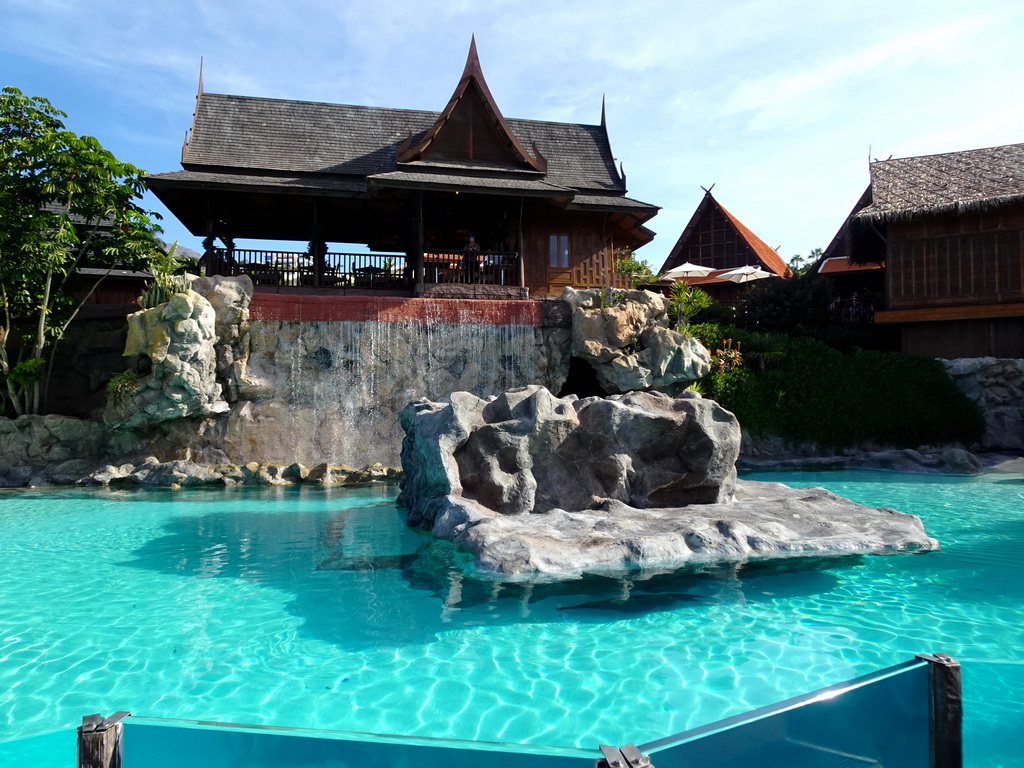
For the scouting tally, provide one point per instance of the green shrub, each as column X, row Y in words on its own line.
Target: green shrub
column 808, row 391
column 121, row 388
column 166, row 279
column 162, row 288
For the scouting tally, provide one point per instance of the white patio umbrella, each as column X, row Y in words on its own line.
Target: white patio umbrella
column 686, row 269
column 745, row 274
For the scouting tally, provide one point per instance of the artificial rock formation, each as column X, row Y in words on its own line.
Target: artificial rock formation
column 629, row 345
column 332, row 391
column 528, row 451
column 230, row 298
column 532, row 484
column 178, row 337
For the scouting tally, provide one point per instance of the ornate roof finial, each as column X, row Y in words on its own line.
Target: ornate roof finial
column 473, row 85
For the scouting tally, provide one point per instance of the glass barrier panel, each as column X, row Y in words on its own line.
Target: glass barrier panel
column 54, row 749
column 880, row 719
column 993, row 713
column 151, row 743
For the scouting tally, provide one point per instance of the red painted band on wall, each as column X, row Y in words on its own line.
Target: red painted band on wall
column 392, row 309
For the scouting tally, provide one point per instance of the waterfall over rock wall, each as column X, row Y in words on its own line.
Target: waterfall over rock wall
column 330, row 390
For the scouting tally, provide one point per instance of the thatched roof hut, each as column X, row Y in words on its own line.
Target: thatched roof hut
column 949, row 229
column 950, row 183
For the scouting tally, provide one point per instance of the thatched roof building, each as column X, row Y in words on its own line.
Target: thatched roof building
column 949, row 229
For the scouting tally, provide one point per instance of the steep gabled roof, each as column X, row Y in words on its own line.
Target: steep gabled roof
column 708, row 206
column 951, row 182
column 471, row 105
column 765, row 253
column 244, row 133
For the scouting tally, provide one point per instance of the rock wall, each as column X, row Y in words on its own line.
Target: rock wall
column 997, row 385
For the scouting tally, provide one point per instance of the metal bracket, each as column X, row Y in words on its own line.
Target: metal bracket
column 97, row 723
column 622, row 757
column 939, row 658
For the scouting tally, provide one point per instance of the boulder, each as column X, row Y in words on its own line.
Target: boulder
column 230, row 298
column 527, row 451
column 532, row 484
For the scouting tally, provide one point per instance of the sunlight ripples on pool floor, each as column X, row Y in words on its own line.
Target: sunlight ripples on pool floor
column 319, row 608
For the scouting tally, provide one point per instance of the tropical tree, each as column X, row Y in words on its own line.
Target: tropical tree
column 64, row 201
column 636, row 271
column 685, row 302
column 802, row 264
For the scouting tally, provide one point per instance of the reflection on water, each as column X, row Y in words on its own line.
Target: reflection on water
column 364, row 561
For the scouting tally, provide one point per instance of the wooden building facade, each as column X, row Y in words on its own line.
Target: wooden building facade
column 950, row 231
column 463, row 202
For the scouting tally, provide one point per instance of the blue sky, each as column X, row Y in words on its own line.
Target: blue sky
column 776, row 102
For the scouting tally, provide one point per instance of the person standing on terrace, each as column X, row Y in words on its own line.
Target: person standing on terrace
column 470, row 259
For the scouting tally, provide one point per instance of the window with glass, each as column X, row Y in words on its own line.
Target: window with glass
column 558, row 248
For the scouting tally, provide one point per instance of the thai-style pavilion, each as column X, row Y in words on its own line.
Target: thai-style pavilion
column 715, row 238
column 949, row 229
column 464, row 202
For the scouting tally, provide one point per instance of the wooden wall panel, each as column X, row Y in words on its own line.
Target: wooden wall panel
column 715, row 243
column 591, row 248
column 992, row 337
column 969, row 259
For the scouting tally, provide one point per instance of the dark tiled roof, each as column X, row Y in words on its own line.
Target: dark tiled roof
column 616, row 202
column 956, row 181
column 240, row 132
column 445, row 180
column 318, row 182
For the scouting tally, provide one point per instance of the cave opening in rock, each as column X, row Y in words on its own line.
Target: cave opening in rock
column 581, row 380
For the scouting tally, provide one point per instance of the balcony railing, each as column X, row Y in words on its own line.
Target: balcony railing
column 471, row 267
column 336, row 270
column 367, row 270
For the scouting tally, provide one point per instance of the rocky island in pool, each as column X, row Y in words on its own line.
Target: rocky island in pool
column 535, row 485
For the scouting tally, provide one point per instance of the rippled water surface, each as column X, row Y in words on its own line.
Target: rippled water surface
column 321, row 609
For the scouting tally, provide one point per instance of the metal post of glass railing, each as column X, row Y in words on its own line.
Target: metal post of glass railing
column 100, row 741
column 946, row 710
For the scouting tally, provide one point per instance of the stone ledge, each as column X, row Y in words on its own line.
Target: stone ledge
column 766, row 521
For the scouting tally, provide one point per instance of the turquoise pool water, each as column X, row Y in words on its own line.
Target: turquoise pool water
column 321, row 609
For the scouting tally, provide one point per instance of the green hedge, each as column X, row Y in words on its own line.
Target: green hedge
column 803, row 390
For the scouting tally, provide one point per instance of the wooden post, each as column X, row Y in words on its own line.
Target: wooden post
column 418, row 266
column 946, row 711
column 318, row 250
column 100, row 740
column 209, row 257
column 520, row 242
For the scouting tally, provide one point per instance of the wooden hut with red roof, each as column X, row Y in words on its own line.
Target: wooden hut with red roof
column 949, row 230
column 716, row 239
column 543, row 203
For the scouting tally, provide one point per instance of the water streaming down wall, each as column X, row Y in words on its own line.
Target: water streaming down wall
column 328, row 377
